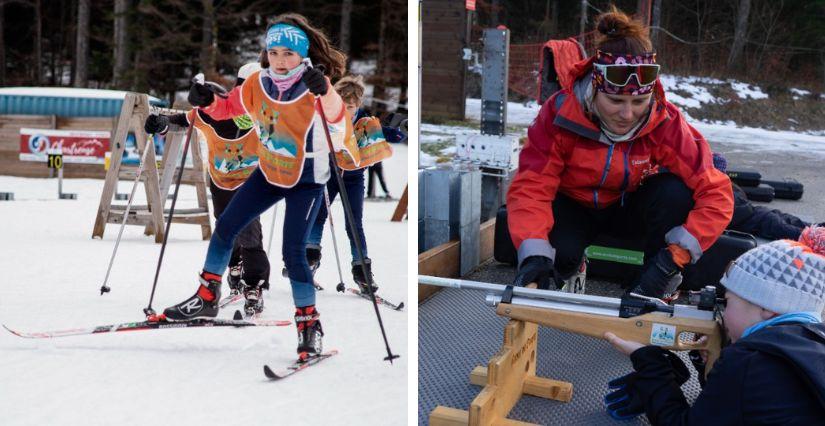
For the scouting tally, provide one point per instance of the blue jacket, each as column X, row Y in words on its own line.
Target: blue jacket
column 774, row 376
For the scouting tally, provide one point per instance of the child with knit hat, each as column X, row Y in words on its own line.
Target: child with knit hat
column 774, row 370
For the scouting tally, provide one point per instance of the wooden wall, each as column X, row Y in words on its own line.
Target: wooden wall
column 10, row 125
column 443, row 71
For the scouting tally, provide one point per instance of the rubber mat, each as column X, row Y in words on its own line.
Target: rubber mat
column 457, row 332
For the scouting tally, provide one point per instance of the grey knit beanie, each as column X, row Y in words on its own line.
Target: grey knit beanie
column 782, row 276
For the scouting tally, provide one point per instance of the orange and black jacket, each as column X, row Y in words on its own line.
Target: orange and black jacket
column 566, row 152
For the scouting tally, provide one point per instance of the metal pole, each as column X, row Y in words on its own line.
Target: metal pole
column 348, row 214
column 148, row 309
column 340, row 287
column 104, row 288
column 272, row 229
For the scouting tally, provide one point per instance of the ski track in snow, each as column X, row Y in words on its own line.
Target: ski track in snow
column 53, row 272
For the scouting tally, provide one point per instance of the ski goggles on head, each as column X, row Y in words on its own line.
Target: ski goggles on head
column 620, row 75
column 615, row 74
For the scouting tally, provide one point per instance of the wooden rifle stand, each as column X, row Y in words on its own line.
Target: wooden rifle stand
column 510, row 374
column 132, row 116
column 401, row 208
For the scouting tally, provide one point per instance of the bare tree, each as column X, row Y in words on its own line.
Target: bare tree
column 121, row 44
column 81, row 71
column 209, row 40
column 656, row 21
column 583, row 20
column 740, row 34
column 2, row 44
column 38, row 44
column 346, row 19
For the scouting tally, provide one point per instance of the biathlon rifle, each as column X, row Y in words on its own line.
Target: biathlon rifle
column 635, row 318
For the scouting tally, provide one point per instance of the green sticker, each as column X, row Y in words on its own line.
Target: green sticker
column 243, row 122
column 612, row 254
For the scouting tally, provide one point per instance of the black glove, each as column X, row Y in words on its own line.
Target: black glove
column 657, row 276
column 535, row 269
column 156, row 123
column 200, row 95
column 624, row 402
column 628, row 398
column 315, row 81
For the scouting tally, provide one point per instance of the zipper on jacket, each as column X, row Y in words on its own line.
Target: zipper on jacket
column 626, row 171
column 604, row 175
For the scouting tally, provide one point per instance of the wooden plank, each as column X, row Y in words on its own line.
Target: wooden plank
column 440, row 261
column 486, row 240
column 117, row 146
column 400, row 209
column 446, row 416
column 200, row 186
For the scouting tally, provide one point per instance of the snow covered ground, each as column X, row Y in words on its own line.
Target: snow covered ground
column 52, row 273
column 520, row 115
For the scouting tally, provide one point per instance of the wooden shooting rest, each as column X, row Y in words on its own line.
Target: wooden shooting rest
column 510, row 374
column 151, row 216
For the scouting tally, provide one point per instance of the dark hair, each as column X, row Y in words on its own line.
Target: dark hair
column 321, row 51
column 620, row 34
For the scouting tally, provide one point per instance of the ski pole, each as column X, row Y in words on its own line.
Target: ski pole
column 148, row 310
column 104, row 288
column 272, row 229
column 340, row 287
column 350, row 217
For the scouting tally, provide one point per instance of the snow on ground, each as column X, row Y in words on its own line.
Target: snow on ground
column 520, row 116
column 698, row 95
column 52, row 274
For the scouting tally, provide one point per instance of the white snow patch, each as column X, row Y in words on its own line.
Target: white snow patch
column 517, row 113
column 799, row 93
column 205, row 376
column 365, row 67
column 425, row 160
column 698, row 95
column 745, row 90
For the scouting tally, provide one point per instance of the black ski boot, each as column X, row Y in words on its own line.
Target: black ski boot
column 234, row 279
column 203, row 304
column 254, row 298
column 313, row 253
column 314, row 257
column 310, row 332
column 359, row 277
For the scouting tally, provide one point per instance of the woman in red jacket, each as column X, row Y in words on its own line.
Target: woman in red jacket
column 608, row 153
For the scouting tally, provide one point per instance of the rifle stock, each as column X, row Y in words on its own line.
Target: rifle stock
column 638, row 329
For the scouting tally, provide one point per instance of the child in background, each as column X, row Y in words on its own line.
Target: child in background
column 370, row 137
column 232, row 158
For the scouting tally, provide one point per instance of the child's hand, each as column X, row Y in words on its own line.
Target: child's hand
column 624, row 346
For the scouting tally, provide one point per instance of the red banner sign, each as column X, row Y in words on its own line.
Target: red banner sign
column 77, row 146
column 470, row 4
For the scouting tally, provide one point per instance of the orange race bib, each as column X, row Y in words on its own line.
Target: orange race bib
column 371, row 146
column 231, row 161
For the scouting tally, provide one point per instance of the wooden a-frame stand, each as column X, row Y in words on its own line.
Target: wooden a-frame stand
column 510, row 374
column 132, row 116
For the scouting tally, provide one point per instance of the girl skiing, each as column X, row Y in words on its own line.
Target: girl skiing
column 232, row 158
column 373, row 148
column 293, row 163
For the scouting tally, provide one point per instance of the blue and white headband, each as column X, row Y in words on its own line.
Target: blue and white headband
column 289, row 36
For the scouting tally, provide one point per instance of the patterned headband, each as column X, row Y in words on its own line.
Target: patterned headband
column 630, row 77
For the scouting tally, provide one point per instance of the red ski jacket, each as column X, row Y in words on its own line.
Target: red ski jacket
column 567, row 153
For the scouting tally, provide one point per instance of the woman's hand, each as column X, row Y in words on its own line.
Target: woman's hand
column 624, row 346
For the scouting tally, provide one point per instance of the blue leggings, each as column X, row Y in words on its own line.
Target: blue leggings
column 253, row 198
column 354, row 184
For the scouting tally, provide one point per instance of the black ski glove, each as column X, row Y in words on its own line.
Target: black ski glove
column 156, row 123
column 629, row 395
column 200, row 95
column 535, row 269
column 657, row 276
column 315, row 81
